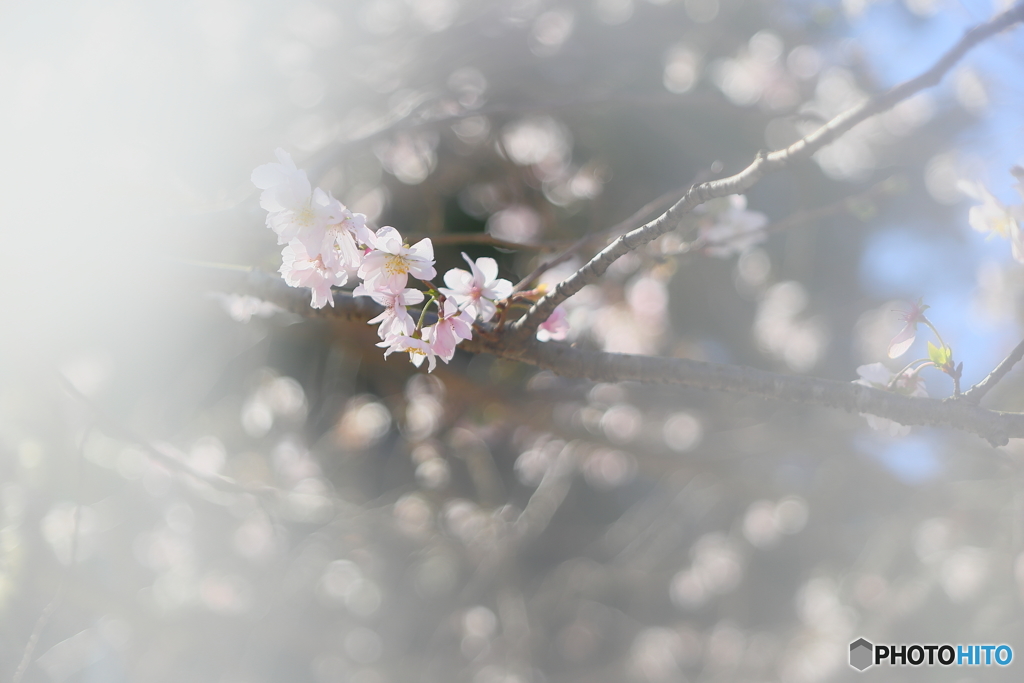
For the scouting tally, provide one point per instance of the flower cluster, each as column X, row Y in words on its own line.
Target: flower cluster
column 324, row 242
column 994, row 217
column 326, row 246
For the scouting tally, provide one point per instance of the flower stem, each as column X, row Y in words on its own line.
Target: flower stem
column 892, row 383
column 423, row 313
column 938, row 336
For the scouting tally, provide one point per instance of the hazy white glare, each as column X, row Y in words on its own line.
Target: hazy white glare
column 89, row 131
column 125, row 126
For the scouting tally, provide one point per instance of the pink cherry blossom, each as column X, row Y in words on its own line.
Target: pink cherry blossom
column 556, row 327
column 477, row 290
column 418, row 350
column 906, row 336
column 451, row 327
column 395, row 320
column 306, row 221
column 389, row 265
column 992, row 216
column 877, row 376
column 295, row 209
column 282, row 183
column 343, row 238
column 299, row 269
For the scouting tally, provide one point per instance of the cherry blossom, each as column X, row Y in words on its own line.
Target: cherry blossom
column 391, row 262
column 556, row 327
column 306, row 220
column 735, row 230
column 295, row 209
column 395, row 320
column 418, row 350
column 299, row 269
column 451, row 327
column 877, row 376
column 477, row 290
column 906, row 336
column 282, row 183
column 341, row 239
column 992, row 216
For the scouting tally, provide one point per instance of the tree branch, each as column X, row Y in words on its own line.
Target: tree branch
column 482, row 238
column 565, row 360
column 978, row 391
column 562, row 359
column 764, row 163
column 548, row 496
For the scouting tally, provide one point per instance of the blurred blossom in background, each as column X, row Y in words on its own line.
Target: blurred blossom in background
column 204, row 487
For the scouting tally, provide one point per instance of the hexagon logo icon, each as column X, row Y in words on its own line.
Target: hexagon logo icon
column 861, row 652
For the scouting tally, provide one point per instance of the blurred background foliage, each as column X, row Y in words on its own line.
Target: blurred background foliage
column 340, row 517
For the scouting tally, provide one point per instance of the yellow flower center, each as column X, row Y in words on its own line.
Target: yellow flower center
column 306, row 216
column 395, row 265
column 1002, row 225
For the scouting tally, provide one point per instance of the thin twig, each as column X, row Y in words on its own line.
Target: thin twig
column 795, row 220
column 764, row 163
column 624, row 225
column 114, row 428
column 531, row 522
column 548, row 496
column 481, row 238
column 845, row 205
column 978, row 391
column 37, row 631
column 62, row 588
column 416, row 114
